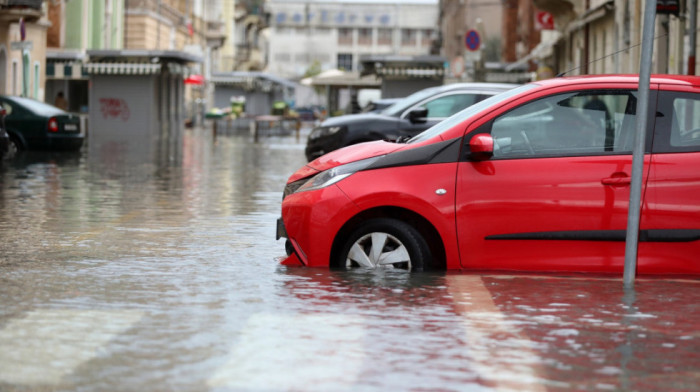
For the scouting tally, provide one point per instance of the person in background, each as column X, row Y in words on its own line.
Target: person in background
column 61, row 101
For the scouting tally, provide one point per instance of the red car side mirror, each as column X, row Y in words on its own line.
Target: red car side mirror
column 481, row 147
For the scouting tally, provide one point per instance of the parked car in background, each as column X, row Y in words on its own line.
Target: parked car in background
column 35, row 125
column 534, row 179
column 379, row 105
column 4, row 137
column 406, row 118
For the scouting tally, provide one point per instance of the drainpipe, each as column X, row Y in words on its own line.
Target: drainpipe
column 158, row 26
column 693, row 35
column 586, row 43
column 107, row 33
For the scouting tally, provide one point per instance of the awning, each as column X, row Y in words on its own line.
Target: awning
column 122, row 68
column 338, row 78
column 65, row 64
column 195, row 79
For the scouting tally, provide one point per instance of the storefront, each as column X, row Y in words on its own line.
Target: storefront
column 137, row 100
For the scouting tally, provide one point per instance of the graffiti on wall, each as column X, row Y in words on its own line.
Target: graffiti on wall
column 114, row 108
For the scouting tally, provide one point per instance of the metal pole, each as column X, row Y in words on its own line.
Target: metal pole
column 633, row 215
column 693, row 4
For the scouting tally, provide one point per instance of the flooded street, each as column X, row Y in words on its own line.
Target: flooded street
column 163, row 275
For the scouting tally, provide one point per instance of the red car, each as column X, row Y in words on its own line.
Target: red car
column 533, row 179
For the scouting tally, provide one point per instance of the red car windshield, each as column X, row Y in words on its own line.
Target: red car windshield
column 470, row 111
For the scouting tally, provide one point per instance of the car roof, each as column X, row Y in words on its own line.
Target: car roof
column 620, row 78
column 476, row 86
column 33, row 105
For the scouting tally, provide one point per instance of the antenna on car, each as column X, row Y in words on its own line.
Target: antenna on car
column 562, row 74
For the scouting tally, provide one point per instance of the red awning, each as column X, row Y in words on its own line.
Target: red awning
column 195, row 79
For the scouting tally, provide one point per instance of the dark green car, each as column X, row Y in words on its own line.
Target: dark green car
column 35, row 125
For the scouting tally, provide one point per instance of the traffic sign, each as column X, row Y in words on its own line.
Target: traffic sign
column 545, row 20
column 472, row 40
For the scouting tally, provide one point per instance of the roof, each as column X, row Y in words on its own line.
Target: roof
column 426, row 66
column 337, row 78
column 240, row 77
column 110, row 55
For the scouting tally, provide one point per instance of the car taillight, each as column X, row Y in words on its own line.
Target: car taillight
column 53, row 125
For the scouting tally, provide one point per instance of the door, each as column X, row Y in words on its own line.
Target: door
column 670, row 224
column 554, row 196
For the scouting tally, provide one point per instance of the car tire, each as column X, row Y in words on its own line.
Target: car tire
column 387, row 243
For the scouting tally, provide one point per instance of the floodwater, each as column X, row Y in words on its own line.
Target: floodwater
column 120, row 275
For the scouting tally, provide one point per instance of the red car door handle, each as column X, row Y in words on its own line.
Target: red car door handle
column 617, row 179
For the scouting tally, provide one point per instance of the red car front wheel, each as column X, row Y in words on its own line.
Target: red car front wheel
column 385, row 243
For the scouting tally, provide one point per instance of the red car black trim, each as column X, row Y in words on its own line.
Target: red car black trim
column 442, row 152
column 654, row 235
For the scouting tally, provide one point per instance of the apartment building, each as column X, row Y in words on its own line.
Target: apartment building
column 336, row 34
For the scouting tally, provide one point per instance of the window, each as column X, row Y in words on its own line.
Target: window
column 678, row 124
column 445, row 106
column 364, row 37
column 426, row 37
column 385, row 37
column 345, row 61
column 408, row 37
column 586, row 123
column 685, row 122
column 301, row 57
column 344, row 36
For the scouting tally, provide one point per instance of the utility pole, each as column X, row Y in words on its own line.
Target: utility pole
column 634, row 212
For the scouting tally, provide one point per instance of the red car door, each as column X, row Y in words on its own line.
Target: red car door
column 669, row 239
column 554, row 196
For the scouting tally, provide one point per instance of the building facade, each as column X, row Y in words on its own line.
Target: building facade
column 23, row 26
column 605, row 36
column 336, row 34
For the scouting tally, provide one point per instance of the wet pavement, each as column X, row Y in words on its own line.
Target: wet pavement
column 164, row 275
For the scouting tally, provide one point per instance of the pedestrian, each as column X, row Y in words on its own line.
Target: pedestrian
column 61, row 101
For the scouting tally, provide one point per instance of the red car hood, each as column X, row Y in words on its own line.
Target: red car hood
column 345, row 155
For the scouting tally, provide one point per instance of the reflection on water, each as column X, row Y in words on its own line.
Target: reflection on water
column 165, row 275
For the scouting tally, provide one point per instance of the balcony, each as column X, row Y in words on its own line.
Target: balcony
column 215, row 33
column 248, row 58
column 11, row 11
column 34, row 4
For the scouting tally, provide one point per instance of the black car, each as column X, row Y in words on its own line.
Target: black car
column 35, row 125
column 379, row 105
column 406, row 118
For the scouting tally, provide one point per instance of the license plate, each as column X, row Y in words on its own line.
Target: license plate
column 70, row 127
